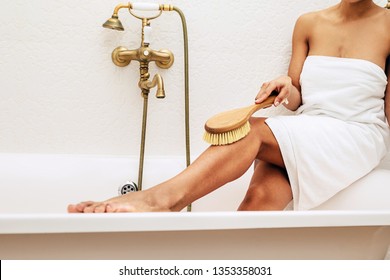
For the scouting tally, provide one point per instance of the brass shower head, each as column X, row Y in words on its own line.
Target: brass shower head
column 114, row 23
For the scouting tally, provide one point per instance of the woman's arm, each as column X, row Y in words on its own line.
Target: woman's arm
column 387, row 93
column 288, row 86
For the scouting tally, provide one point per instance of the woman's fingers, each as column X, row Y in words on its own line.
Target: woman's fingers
column 265, row 91
column 280, row 85
column 282, row 96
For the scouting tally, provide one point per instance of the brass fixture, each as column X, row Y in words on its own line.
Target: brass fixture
column 157, row 80
column 164, row 59
column 388, row 4
column 122, row 56
column 114, row 23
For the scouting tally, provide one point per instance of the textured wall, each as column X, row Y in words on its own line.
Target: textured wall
column 60, row 92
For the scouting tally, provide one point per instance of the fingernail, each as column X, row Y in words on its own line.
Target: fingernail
column 277, row 103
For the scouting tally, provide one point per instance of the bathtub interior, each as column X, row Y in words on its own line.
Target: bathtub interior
column 47, row 183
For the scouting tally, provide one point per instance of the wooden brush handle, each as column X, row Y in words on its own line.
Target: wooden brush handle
column 233, row 119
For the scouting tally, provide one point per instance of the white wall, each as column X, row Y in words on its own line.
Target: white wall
column 60, row 92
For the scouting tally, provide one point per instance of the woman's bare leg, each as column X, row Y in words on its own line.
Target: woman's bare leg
column 217, row 166
column 269, row 189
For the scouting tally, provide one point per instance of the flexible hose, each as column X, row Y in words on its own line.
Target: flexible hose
column 186, row 90
column 143, row 137
column 186, row 107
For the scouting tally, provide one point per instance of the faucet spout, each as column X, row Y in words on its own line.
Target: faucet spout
column 156, row 81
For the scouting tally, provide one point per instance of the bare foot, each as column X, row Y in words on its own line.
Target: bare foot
column 143, row 201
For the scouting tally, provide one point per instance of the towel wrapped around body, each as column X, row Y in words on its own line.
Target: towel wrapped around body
column 339, row 133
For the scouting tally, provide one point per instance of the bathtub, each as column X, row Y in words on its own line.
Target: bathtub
column 35, row 190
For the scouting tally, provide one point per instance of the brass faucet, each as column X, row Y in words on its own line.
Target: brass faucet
column 122, row 57
column 144, row 55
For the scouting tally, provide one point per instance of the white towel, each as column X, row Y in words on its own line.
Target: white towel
column 339, row 133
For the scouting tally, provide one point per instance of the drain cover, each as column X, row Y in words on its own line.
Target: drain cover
column 128, row 187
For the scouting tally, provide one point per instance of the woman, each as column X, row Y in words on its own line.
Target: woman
column 339, row 134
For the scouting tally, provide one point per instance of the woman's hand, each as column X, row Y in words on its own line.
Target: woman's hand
column 288, row 95
column 282, row 85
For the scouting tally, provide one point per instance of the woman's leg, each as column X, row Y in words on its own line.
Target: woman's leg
column 269, row 189
column 217, row 166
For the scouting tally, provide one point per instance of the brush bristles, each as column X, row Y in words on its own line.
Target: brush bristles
column 228, row 137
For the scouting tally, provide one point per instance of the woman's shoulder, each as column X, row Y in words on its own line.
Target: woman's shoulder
column 383, row 13
column 306, row 20
column 387, row 14
column 383, row 20
column 313, row 17
column 327, row 14
column 386, row 26
column 310, row 16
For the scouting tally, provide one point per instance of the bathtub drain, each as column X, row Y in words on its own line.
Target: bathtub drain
column 129, row 186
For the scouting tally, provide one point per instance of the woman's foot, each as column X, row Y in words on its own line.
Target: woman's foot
column 143, row 201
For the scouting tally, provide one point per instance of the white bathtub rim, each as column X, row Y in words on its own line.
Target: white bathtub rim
column 183, row 221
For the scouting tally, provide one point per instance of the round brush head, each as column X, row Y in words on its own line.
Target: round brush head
column 229, row 137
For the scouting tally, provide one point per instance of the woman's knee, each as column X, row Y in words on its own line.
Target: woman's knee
column 269, row 189
column 257, row 123
column 256, row 197
column 259, row 200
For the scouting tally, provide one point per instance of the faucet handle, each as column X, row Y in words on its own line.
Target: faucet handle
column 165, row 59
column 145, row 6
column 118, row 61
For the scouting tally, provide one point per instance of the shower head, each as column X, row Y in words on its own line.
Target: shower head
column 114, row 23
